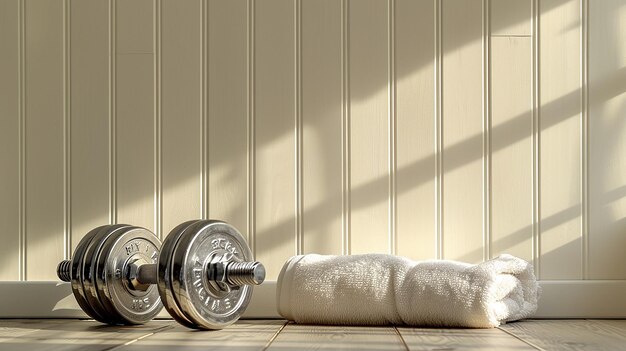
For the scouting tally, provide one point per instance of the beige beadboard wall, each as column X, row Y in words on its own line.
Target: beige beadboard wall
column 456, row 129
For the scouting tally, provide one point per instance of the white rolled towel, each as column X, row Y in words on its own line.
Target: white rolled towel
column 377, row 289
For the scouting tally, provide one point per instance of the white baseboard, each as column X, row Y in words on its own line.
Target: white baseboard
column 559, row 299
column 582, row 299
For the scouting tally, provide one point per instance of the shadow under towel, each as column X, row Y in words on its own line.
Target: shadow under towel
column 377, row 289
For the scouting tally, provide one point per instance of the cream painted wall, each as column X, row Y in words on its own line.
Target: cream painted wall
column 456, row 129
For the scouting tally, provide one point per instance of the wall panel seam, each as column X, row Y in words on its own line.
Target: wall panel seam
column 486, row 104
column 112, row 113
column 299, row 128
column 204, row 118
column 67, row 154
column 391, row 9
column 584, row 46
column 158, row 150
column 22, row 141
column 438, row 126
column 345, row 126
column 251, row 129
column 536, row 247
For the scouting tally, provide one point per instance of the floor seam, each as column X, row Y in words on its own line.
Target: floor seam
column 271, row 340
column 406, row 347
column 154, row 331
column 521, row 339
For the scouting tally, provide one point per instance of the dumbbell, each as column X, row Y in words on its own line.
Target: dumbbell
column 203, row 274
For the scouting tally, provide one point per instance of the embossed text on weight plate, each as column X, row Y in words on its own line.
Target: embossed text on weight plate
column 225, row 244
column 216, row 305
column 140, row 304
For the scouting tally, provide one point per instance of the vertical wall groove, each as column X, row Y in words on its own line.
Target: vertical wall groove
column 251, row 131
column 439, row 125
column 112, row 113
column 299, row 128
column 345, row 127
column 391, row 9
column 22, row 141
column 486, row 86
column 584, row 144
column 205, row 122
column 204, row 118
column 158, row 152
column 67, row 157
column 535, row 137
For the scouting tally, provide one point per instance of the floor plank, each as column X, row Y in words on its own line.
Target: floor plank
column 461, row 339
column 570, row 335
column 69, row 334
column 309, row 337
column 617, row 326
column 10, row 329
column 243, row 335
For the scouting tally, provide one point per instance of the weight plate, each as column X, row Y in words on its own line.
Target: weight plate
column 77, row 274
column 202, row 301
column 99, row 265
column 121, row 249
column 176, row 271
column 164, row 274
column 90, row 275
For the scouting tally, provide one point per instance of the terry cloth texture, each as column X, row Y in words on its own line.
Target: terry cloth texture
column 377, row 289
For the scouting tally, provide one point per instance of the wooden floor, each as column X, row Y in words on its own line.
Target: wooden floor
column 279, row 335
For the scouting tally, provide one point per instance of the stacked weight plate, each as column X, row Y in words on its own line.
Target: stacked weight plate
column 98, row 270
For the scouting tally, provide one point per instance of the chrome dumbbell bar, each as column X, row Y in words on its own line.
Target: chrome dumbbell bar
column 203, row 274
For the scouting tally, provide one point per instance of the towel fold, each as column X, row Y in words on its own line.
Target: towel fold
column 377, row 289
